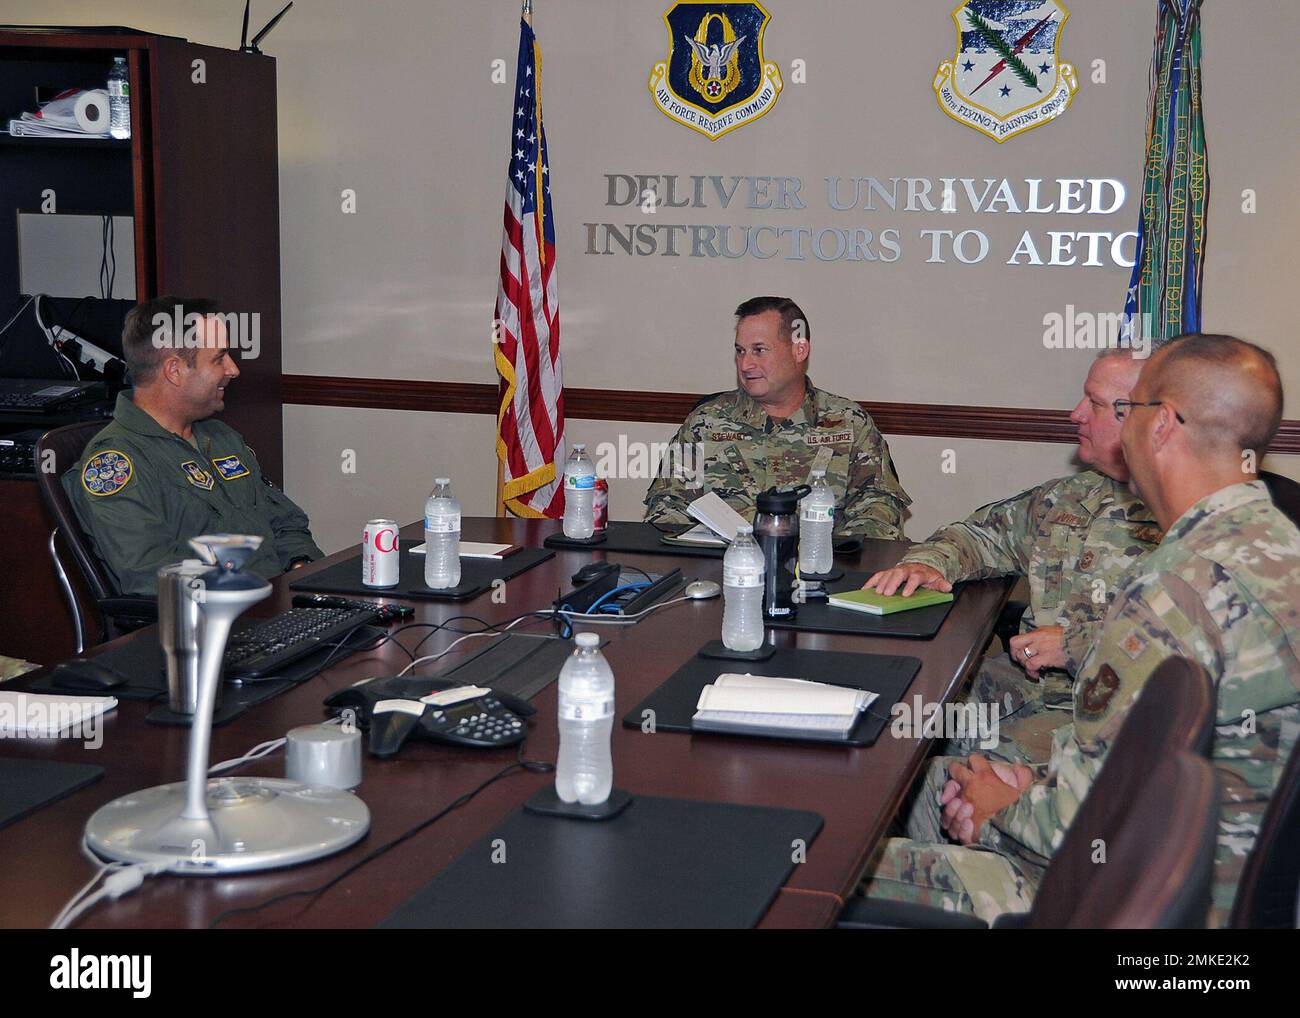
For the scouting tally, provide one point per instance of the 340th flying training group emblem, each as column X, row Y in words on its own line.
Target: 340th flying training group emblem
column 714, row 79
column 1006, row 77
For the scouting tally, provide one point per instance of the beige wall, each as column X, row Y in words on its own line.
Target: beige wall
column 395, row 100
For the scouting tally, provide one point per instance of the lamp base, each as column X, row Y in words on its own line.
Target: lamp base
column 255, row 824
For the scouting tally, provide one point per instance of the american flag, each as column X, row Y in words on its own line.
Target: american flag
column 530, row 418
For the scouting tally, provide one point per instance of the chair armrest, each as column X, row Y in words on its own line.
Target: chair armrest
column 132, row 609
column 882, row 914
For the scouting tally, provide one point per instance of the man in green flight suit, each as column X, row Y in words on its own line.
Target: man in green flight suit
column 1072, row 538
column 163, row 471
column 774, row 429
column 1223, row 589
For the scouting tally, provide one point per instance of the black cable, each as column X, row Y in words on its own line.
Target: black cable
column 533, row 766
column 634, row 569
column 103, row 256
column 112, row 255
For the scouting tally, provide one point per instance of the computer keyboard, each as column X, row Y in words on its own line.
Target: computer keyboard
column 269, row 644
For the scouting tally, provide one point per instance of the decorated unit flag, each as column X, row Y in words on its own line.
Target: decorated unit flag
column 526, row 334
column 1164, row 294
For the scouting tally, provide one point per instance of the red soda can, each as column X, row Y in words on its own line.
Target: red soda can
column 380, row 565
column 600, row 504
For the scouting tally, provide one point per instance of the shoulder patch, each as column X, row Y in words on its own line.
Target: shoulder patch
column 1096, row 693
column 229, row 467
column 197, row 476
column 107, row 472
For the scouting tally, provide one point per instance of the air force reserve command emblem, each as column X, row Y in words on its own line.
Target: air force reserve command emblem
column 1007, row 77
column 714, row 79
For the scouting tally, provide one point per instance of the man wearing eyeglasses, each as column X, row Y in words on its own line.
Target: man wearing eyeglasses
column 1222, row 589
column 1072, row 538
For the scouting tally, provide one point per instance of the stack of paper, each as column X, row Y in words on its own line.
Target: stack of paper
column 718, row 522
column 74, row 113
column 758, row 704
column 38, row 716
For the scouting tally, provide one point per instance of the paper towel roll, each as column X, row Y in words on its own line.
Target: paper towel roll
column 91, row 111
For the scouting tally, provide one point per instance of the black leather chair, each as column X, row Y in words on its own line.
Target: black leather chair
column 1270, row 880
column 1127, row 810
column 118, row 614
column 1286, row 494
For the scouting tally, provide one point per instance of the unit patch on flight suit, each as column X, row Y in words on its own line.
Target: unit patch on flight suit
column 106, row 473
column 198, row 477
column 229, row 467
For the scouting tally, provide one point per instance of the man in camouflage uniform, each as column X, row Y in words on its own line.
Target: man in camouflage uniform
column 773, row 430
column 1223, row 589
column 1073, row 538
column 161, row 472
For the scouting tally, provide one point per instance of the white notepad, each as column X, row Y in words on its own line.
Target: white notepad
column 42, row 716
column 474, row 549
column 779, row 705
column 715, row 514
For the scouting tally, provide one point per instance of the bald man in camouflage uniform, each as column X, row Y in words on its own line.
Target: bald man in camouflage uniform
column 1072, row 538
column 1222, row 589
column 773, row 430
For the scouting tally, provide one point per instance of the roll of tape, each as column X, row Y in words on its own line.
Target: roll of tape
column 324, row 755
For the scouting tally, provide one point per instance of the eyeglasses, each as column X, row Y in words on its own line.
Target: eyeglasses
column 1122, row 406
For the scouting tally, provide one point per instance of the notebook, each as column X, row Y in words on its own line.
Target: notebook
column 779, row 706
column 875, row 603
column 476, row 549
column 716, row 515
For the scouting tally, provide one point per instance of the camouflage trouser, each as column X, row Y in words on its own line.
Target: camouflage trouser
column 925, row 868
column 1029, row 711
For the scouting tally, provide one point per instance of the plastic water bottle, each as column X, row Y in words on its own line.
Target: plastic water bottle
column 585, row 771
column 441, row 537
column 742, row 593
column 119, row 100
column 579, row 495
column 816, row 526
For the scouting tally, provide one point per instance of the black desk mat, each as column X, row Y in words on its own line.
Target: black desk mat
column 641, row 538
column 476, row 576
column 660, row 864
column 28, row 785
column 142, row 662
column 647, row 539
column 817, row 616
column 674, row 702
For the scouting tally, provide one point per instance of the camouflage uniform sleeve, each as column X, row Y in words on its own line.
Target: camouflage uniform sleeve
column 289, row 523
column 995, row 540
column 1080, row 635
column 874, row 500
column 129, row 528
column 675, row 488
column 1152, row 619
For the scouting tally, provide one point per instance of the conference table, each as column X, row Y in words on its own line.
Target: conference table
column 856, row 790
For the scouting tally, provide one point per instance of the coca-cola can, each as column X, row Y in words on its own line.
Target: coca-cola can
column 600, row 504
column 380, row 564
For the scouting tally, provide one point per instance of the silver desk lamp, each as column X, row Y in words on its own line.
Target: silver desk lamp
column 226, row 825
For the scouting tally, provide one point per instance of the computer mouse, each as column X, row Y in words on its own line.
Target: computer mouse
column 702, row 590
column 82, row 673
column 594, row 571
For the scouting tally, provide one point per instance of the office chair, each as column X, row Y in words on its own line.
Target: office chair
column 1174, row 714
column 1270, row 881
column 118, row 614
column 1286, row 494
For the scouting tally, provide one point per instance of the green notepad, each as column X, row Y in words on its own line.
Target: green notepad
column 878, row 604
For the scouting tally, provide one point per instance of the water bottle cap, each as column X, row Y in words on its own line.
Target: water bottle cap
column 817, row 473
column 579, row 446
column 587, row 641
column 442, row 480
column 745, row 530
